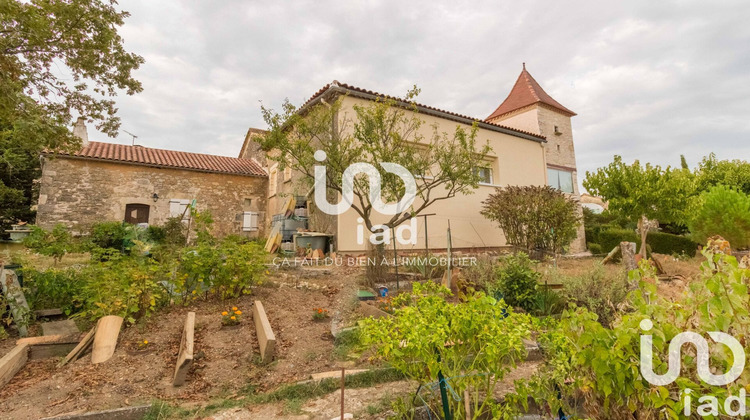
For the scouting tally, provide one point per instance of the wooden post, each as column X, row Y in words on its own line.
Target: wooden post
column 448, row 269
column 343, row 381
column 185, row 356
column 628, row 255
column 395, row 256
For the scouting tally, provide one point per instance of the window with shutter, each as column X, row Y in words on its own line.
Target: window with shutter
column 249, row 221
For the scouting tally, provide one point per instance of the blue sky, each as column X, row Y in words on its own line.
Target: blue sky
column 649, row 80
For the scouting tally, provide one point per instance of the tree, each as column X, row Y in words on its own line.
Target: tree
column 639, row 193
column 734, row 173
column 57, row 59
column 383, row 130
column 722, row 211
column 533, row 218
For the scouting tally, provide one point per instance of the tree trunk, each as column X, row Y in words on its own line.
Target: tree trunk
column 643, row 231
column 376, row 270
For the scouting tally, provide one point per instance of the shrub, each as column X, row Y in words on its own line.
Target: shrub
column 722, row 211
column 53, row 288
column 660, row 242
column 427, row 336
column 600, row 292
column 533, row 217
column 481, row 276
column 109, row 235
column 517, row 280
column 172, row 232
column 55, row 243
column 597, row 369
column 595, row 249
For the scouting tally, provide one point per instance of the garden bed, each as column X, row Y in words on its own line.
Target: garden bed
column 226, row 358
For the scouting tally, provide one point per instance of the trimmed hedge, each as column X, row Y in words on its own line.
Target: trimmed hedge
column 659, row 242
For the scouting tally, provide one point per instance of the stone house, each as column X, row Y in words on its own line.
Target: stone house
column 136, row 184
column 532, row 141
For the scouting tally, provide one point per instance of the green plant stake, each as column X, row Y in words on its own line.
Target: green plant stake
column 443, row 391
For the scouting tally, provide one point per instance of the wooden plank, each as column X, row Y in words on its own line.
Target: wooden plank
column 16, row 300
column 185, row 356
column 270, row 242
column 264, row 332
column 49, row 339
column 105, row 338
column 80, row 349
column 12, row 362
column 43, row 313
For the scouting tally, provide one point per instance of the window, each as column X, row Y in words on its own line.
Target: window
column 249, row 221
column 272, row 180
column 561, row 180
column 287, row 174
column 247, row 204
column 485, row 174
column 178, row 208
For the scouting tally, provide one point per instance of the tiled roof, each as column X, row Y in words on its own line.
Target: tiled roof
column 160, row 158
column 527, row 92
column 368, row 94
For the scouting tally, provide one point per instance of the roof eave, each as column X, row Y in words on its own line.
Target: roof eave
column 340, row 90
column 150, row 165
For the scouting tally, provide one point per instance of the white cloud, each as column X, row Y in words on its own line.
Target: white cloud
column 649, row 80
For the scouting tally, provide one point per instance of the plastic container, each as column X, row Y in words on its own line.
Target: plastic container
column 383, row 291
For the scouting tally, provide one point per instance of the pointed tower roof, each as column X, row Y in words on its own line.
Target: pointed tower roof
column 527, row 92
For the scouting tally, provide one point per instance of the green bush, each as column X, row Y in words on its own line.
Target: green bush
column 722, row 211
column 517, row 281
column 55, row 243
column 600, row 292
column 109, row 235
column 667, row 243
column 53, row 288
column 659, row 242
column 172, row 232
column 595, row 249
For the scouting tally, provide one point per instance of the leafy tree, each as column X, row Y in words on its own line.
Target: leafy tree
column 722, row 211
column 734, row 173
column 384, row 130
column 57, row 58
column 640, row 192
column 533, row 217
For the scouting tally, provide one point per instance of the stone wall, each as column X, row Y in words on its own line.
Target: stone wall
column 78, row 193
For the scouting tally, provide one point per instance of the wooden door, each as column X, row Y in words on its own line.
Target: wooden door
column 136, row 213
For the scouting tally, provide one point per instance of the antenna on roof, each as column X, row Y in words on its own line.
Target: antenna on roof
column 134, row 136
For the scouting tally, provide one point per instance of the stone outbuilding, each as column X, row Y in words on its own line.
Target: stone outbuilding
column 136, row 184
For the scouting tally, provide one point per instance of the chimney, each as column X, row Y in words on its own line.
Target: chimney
column 80, row 131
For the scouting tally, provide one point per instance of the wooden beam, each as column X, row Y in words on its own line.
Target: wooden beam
column 185, row 356
column 49, row 339
column 12, row 362
column 80, row 349
column 105, row 338
column 264, row 332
